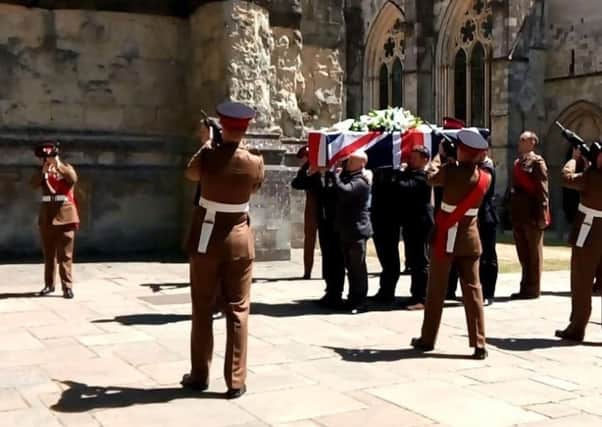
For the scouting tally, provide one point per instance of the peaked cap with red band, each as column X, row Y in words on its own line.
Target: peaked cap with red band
column 452, row 123
column 472, row 139
column 47, row 149
column 234, row 115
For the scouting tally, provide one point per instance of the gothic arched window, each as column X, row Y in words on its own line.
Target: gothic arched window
column 460, row 85
column 477, row 85
column 383, row 85
column 471, row 67
column 397, row 83
column 385, row 55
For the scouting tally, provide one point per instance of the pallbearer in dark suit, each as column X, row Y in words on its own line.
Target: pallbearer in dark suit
column 488, row 221
column 58, row 219
column 385, row 217
column 457, row 240
column 353, row 223
column 322, row 189
column 221, row 248
column 417, row 221
column 586, row 241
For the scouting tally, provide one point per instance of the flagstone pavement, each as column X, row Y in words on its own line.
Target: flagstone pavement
column 114, row 355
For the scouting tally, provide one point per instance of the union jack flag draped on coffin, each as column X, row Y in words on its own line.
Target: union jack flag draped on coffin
column 383, row 148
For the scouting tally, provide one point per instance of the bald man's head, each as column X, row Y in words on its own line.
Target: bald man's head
column 528, row 141
column 356, row 161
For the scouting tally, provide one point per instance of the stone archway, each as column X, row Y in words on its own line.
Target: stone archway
column 385, row 45
column 583, row 117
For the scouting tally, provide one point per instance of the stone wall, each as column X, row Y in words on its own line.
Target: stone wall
column 70, row 69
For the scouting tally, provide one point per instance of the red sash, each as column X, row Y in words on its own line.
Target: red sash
column 444, row 221
column 526, row 183
column 523, row 180
column 62, row 188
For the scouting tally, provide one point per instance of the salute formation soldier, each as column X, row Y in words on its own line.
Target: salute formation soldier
column 530, row 214
column 221, row 248
column 586, row 241
column 310, row 215
column 58, row 218
column 457, row 241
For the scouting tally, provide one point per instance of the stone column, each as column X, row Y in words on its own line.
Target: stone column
column 242, row 52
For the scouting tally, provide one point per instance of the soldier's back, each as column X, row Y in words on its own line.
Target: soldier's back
column 460, row 179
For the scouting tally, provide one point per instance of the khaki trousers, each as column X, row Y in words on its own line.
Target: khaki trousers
column 57, row 245
column 310, row 230
column 529, row 247
column 468, row 273
column 232, row 281
column 586, row 263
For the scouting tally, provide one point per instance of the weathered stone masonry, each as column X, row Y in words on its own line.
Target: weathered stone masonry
column 121, row 84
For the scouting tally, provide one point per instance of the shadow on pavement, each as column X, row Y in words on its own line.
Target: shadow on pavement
column 372, row 355
column 295, row 279
column 299, row 308
column 28, row 295
column 158, row 287
column 80, row 397
column 556, row 294
column 528, row 344
column 146, row 319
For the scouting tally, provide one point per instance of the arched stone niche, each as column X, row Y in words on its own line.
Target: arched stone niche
column 583, row 117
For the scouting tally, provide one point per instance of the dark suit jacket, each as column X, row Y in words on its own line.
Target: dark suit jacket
column 488, row 211
column 353, row 210
column 415, row 194
column 324, row 191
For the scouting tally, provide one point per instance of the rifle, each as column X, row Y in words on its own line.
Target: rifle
column 215, row 130
column 576, row 141
column 449, row 145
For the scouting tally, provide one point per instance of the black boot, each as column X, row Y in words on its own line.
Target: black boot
column 565, row 335
column 192, row 384
column 47, row 290
column 418, row 344
column 68, row 293
column 235, row 393
column 480, row 353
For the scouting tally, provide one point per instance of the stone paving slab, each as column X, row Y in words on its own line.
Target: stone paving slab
column 114, row 355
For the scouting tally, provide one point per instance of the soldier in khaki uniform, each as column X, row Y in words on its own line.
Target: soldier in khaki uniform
column 586, row 241
column 58, row 219
column 457, row 241
column 221, row 248
column 529, row 204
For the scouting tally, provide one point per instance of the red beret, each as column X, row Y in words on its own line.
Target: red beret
column 452, row 123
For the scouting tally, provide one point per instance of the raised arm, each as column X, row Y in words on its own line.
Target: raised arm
column 68, row 172
column 435, row 172
column 193, row 169
column 571, row 178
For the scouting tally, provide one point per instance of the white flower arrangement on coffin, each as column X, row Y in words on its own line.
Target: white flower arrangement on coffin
column 390, row 120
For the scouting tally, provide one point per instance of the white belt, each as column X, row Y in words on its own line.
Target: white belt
column 452, row 233
column 586, row 226
column 57, row 198
column 212, row 208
